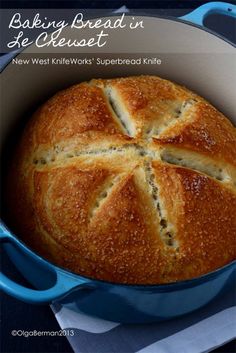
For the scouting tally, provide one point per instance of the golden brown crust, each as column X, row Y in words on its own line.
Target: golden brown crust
column 149, row 100
column 200, row 210
column 71, row 112
column 207, row 132
column 130, row 180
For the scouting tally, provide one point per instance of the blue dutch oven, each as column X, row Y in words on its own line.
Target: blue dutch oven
column 117, row 302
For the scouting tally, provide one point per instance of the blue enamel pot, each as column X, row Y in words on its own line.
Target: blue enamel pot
column 111, row 301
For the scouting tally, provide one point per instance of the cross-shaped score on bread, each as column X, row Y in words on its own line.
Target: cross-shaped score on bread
column 124, row 180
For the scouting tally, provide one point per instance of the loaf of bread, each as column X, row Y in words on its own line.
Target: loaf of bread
column 129, row 180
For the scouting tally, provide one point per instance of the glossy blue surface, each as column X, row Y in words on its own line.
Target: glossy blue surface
column 120, row 303
column 198, row 15
column 53, row 282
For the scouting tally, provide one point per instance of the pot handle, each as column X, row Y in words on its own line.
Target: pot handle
column 198, row 15
column 63, row 284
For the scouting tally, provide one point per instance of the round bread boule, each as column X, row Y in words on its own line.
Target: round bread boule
column 129, row 180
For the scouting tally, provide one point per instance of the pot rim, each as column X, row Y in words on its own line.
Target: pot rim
column 162, row 287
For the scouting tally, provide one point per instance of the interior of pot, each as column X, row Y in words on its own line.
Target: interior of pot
column 189, row 56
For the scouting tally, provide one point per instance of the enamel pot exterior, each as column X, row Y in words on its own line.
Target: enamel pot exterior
column 114, row 302
column 190, row 56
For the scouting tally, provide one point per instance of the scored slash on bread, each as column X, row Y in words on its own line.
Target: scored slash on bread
column 131, row 180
